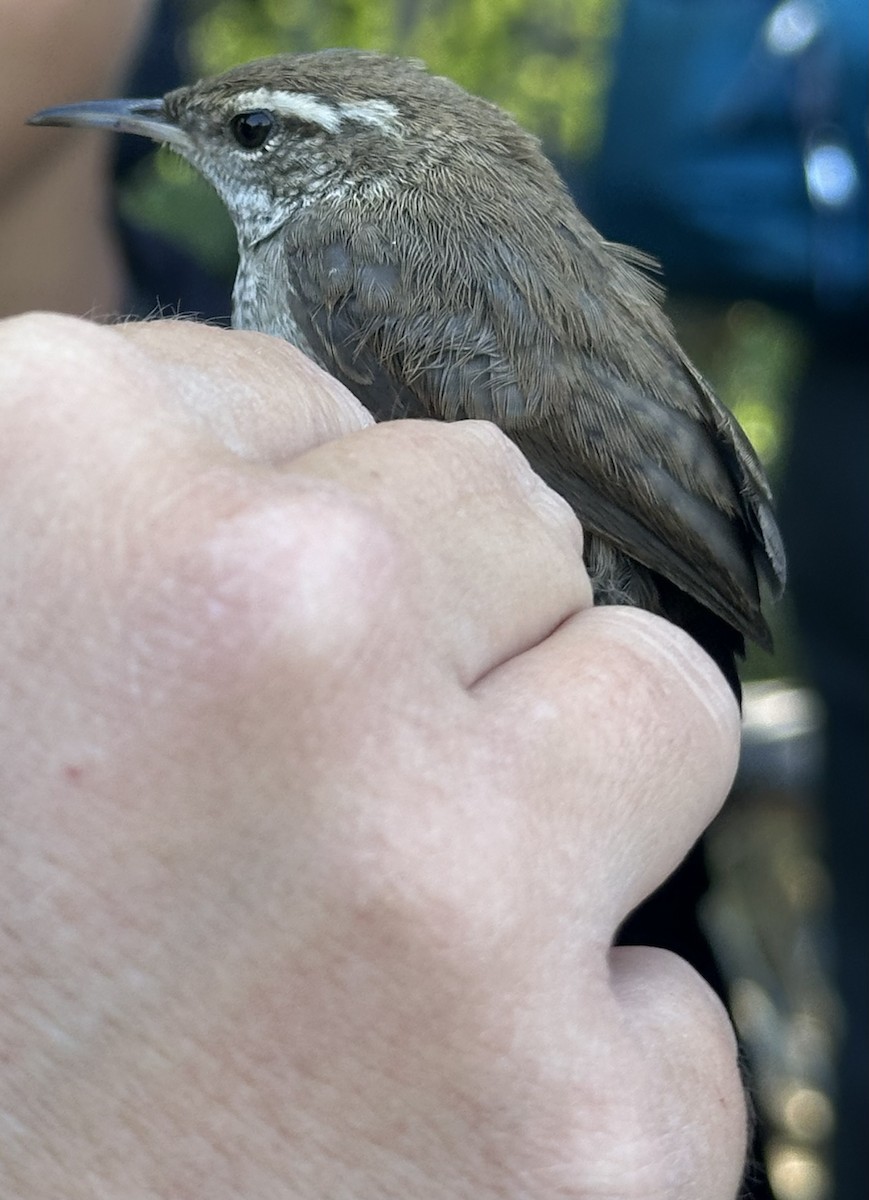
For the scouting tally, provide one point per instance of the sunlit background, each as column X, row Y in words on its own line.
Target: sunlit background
column 549, row 63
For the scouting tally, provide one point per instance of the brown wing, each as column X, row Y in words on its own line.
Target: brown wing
column 562, row 343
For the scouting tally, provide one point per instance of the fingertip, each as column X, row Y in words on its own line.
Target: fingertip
column 681, row 670
column 691, row 1053
column 647, row 979
column 643, row 725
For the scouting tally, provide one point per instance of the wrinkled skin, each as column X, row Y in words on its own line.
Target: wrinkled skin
column 324, row 791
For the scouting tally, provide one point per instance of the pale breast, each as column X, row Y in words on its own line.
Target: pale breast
column 260, row 295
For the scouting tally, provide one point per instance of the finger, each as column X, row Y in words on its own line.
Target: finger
column 493, row 555
column 245, row 393
column 622, row 706
column 101, row 458
column 262, row 398
column 689, row 1053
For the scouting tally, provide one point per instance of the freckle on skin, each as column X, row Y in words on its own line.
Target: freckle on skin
column 73, row 773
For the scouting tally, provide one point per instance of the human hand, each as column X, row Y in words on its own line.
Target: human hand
column 325, row 790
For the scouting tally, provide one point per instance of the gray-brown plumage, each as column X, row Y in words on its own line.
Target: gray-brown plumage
column 416, row 243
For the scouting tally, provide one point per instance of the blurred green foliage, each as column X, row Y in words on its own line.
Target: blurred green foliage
column 545, row 61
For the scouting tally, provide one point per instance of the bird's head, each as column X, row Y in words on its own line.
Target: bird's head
column 280, row 133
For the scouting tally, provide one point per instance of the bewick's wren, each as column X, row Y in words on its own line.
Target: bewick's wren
column 415, row 242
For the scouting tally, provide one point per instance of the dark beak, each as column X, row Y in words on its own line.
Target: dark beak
column 145, row 117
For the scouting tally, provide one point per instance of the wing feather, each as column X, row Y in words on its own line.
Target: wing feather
column 561, row 341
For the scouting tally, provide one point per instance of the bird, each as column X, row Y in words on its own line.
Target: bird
column 415, row 241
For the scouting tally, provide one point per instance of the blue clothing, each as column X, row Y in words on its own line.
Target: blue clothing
column 735, row 149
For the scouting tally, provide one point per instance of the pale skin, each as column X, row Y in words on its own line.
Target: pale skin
column 325, row 790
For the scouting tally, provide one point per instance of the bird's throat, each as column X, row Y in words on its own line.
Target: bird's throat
column 260, row 296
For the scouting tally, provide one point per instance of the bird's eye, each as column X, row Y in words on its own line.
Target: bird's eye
column 251, row 129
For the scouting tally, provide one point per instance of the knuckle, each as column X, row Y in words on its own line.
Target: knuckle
column 304, row 579
column 516, row 474
column 57, row 368
column 46, row 343
column 479, row 457
column 661, row 704
column 489, row 447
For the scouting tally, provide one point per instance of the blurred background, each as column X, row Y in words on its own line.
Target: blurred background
column 728, row 138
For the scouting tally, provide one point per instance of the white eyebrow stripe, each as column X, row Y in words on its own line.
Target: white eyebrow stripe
column 303, row 106
column 379, row 113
